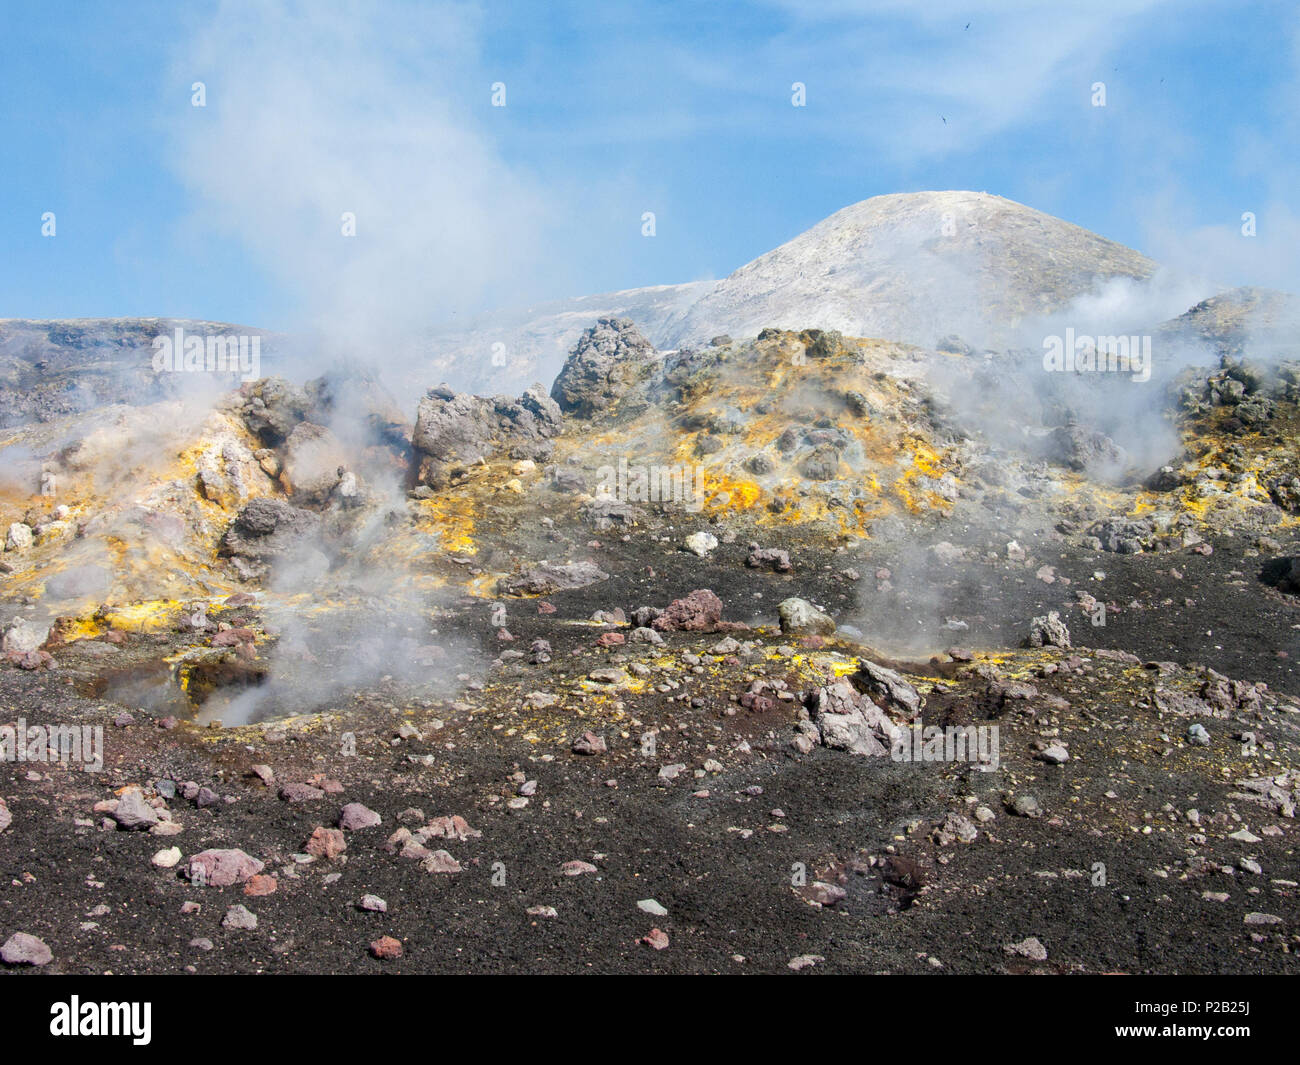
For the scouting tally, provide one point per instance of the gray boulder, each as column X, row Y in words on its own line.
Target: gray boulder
column 314, row 463
column 608, row 360
column 800, row 617
column 848, row 721
column 887, row 689
column 23, row 636
column 1049, row 631
column 548, row 577
column 267, row 529
column 456, row 430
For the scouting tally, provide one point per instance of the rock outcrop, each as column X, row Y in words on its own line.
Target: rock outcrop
column 607, row 361
column 453, row 431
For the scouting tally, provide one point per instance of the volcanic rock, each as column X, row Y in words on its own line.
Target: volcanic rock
column 23, row 949
column 700, row 611
column 1049, row 631
column 221, row 868
column 546, row 578
column 800, row 617
column 456, row 430
column 607, row 361
column 850, row 722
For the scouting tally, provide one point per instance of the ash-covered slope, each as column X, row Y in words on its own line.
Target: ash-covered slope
column 57, row 367
column 912, row 267
column 1257, row 323
column 916, row 267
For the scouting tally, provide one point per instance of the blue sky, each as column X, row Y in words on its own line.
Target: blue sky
column 232, row 211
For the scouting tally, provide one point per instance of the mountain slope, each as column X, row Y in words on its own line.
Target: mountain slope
column 913, row 267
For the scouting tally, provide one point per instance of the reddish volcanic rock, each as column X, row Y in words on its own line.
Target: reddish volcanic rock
column 698, row 612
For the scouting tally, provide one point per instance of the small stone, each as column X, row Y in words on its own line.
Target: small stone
column 326, row 843
column 355, row 817
column 800, row 617
column 1029, row 948
column 1262, row 919
column 440, row 862
column 221, row 868
column 168, row 858
column 240, row 918
column 386, row 948
column 652, row 907
column 542, row 911
column 260, row 886
column 656, row 938
column 825, row 894
column 701, row 543
column 133, row 812
column 23, row 949
column 1025, row 806
column 577, row 868
column 373, row 904
column 300, row 793
column 589, row 743
column 804, row 961
column 1197, row 734
column 201, row 943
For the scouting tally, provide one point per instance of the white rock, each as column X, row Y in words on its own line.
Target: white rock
column 19, row 537
column 701, row 543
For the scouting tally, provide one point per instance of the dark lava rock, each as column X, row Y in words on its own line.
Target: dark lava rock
column 267, row 529
column 1125, row 536
column 1087, row 451
column 822, row 465
column 271, row 407
column 768, row 557
column 1283, row 573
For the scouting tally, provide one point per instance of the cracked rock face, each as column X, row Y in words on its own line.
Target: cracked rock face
column 607, row 361
column 888, row 689
column 850, row 722
column 455, row 430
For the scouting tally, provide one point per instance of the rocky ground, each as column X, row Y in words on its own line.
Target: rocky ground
column 442, row 698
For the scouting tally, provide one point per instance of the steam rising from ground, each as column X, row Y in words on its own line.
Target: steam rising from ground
column 360, row 628
column 315, row 113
